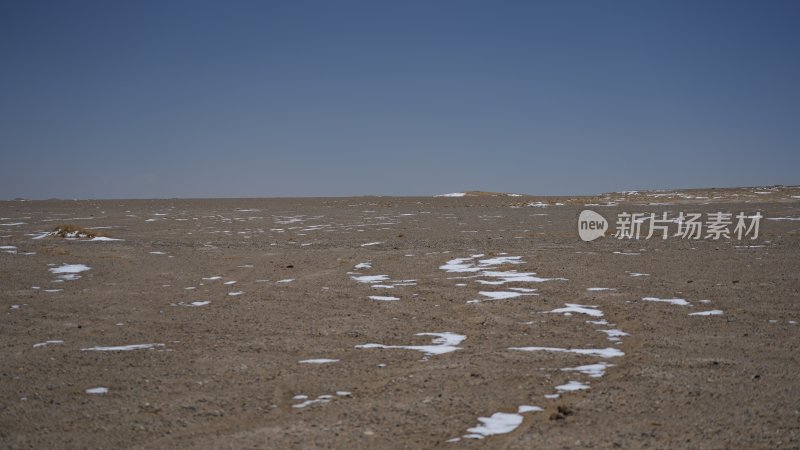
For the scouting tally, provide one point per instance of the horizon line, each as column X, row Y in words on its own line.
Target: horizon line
column 442, row 195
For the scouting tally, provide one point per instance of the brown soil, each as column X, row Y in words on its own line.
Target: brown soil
column 228, row 372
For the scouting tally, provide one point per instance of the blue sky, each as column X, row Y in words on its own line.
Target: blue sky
column 150, row 99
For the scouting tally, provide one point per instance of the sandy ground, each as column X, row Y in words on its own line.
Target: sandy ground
column 228, row 374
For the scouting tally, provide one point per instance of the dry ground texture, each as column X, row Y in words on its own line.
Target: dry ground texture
column 217, row 313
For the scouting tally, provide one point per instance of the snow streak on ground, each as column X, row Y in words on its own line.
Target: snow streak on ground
column 486, row 271
column 442, row 343
column 122, row 348
column 501, row 270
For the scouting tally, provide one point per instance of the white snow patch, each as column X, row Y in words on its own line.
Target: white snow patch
column 501, row 260
column 500, row 295
column 370, row 278
column 320, row 399
column 200, row 303
column 528, row 408
column 70, row 268
column 443, row 343
column 97, row 390
column 614, row 335
column 580, row 309
column 672, row 301
column 609, row 352
column 68, row 277
column 713, row 312
column 383, row 298
column 513, row 276
column 46, row 343
column 469, row 265
column 498, row 423
column 572, row 386
column 593, row 370
column 122, row 348
column 318, row 361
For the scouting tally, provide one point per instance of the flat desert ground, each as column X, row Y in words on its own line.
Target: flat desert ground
column 383, row 322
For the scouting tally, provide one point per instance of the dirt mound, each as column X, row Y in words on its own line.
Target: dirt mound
column 75, row 232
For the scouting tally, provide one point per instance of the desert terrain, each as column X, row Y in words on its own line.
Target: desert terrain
column 469, row 321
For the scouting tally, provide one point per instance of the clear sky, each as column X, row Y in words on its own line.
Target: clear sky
column 132, row 99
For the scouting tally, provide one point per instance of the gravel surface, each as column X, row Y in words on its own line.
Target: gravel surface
column 379, row 322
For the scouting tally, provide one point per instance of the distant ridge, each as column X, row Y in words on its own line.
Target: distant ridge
column 479, row 194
